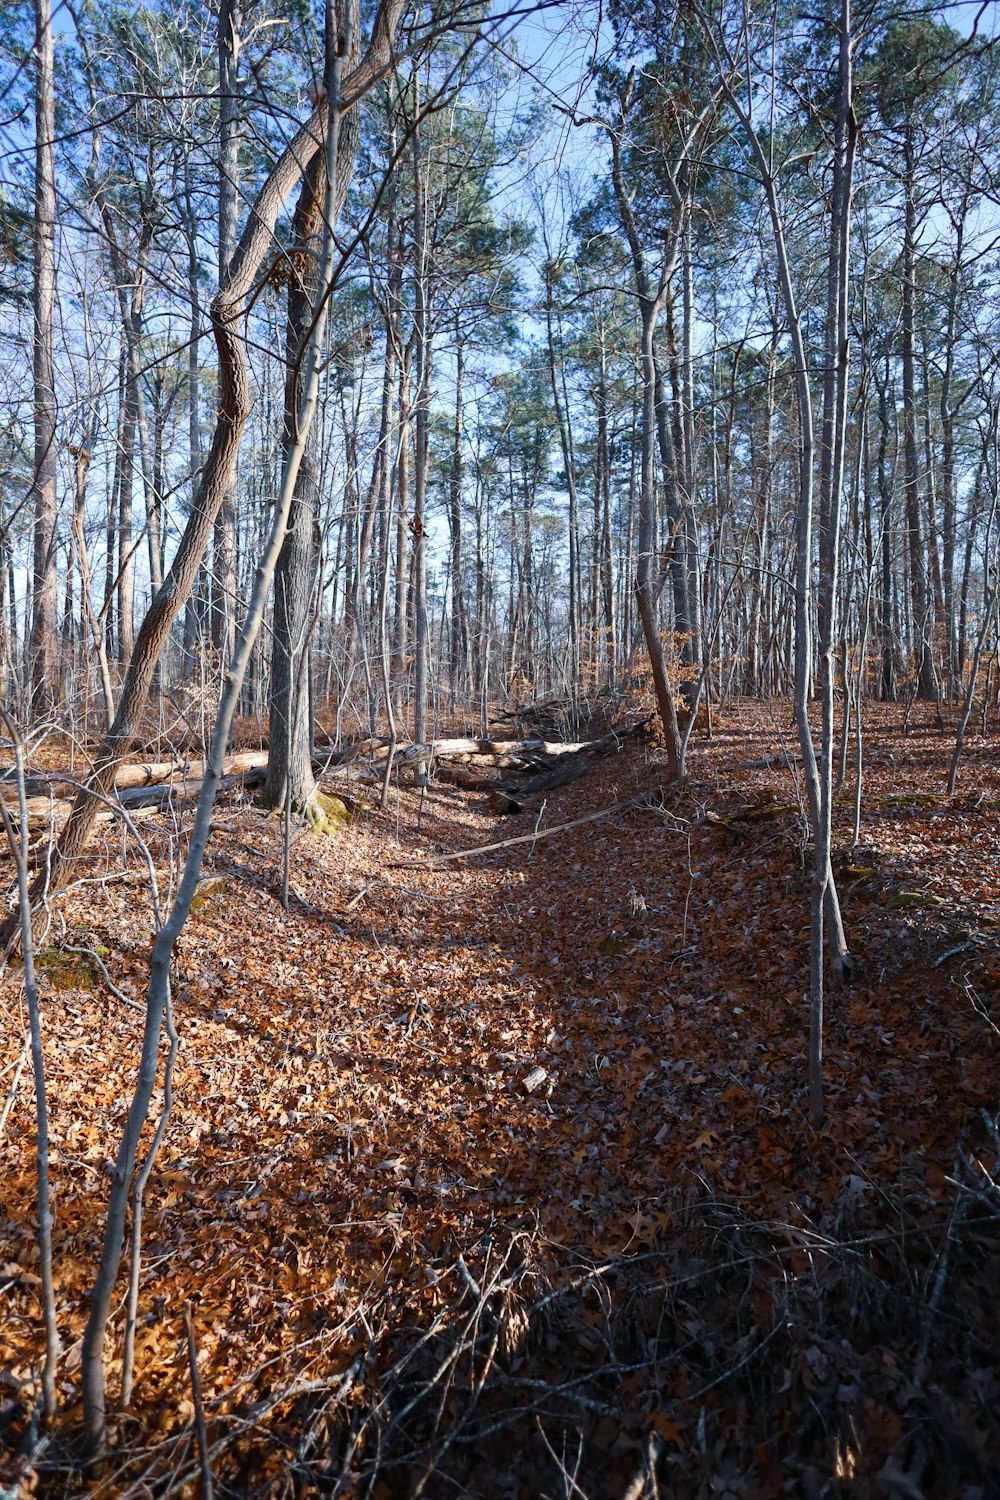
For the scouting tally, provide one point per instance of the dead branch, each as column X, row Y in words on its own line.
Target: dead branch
column 522, row 838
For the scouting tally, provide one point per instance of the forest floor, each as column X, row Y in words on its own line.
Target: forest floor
column 416, row 1267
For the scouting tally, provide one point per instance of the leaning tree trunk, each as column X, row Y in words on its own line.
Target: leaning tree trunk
column 224, row 539
column 234, row 408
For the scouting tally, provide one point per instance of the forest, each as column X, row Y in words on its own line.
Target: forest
column 499, row 707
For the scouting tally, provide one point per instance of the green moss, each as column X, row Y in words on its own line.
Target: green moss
column 207, row 893
column 66, row 971
column 911, row 799
column 767, row 810
column 324, row 814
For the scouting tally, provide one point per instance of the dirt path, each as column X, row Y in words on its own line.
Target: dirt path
column 353, row 1103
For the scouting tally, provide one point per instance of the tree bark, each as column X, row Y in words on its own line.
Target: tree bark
column 458, row 631
column 224, row 531
column 290, row 777
column 421, row 453
column 650, row 306
column 44, row 644
column 927, row 687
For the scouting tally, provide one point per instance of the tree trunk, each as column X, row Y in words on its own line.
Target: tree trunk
column 289, row 769
column 650, row 307
column 44, row 644
column 888, row 638
column 421, row 454
column 602, row 517
column 400, row 634
column 691, row 652
column 927, row 687
column 561, row 405
column 158, row 990
column 224, row 539
column 290, row 780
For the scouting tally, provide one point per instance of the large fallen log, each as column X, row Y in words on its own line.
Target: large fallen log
column 135, row 774
column 159, row 773
column 51, row 811
column 45, row 812
column 180, row 769
column 526, row 767
column 547, row 781
column 462, row 749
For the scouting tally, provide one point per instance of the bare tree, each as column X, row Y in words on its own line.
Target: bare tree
column 44, row 644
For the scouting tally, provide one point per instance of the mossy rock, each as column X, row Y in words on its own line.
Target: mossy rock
column 763, row 811
column 207, row 893
column 66, row 971
column 912, row 799
column 914, row 898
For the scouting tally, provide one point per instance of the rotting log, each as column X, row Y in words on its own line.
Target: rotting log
column 160, row 773
column 457, row 749
column 537, row 765
column 139, row 774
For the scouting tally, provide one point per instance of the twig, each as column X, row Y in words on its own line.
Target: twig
column 199, row 1410
column 954, row 1224
column 404, row 890
column 19, row 850
column 12, row 1091
column 953, row 952
column 138, row 1191
column 95, row 958
column 538, row 824
column 356, row 900
column 764, row 763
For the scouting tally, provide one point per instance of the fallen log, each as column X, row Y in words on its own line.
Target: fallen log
column 539, row 765
column 159, row 773
column 547, row 781
column 135, row 774
column 461, row 749
column 146, row 784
